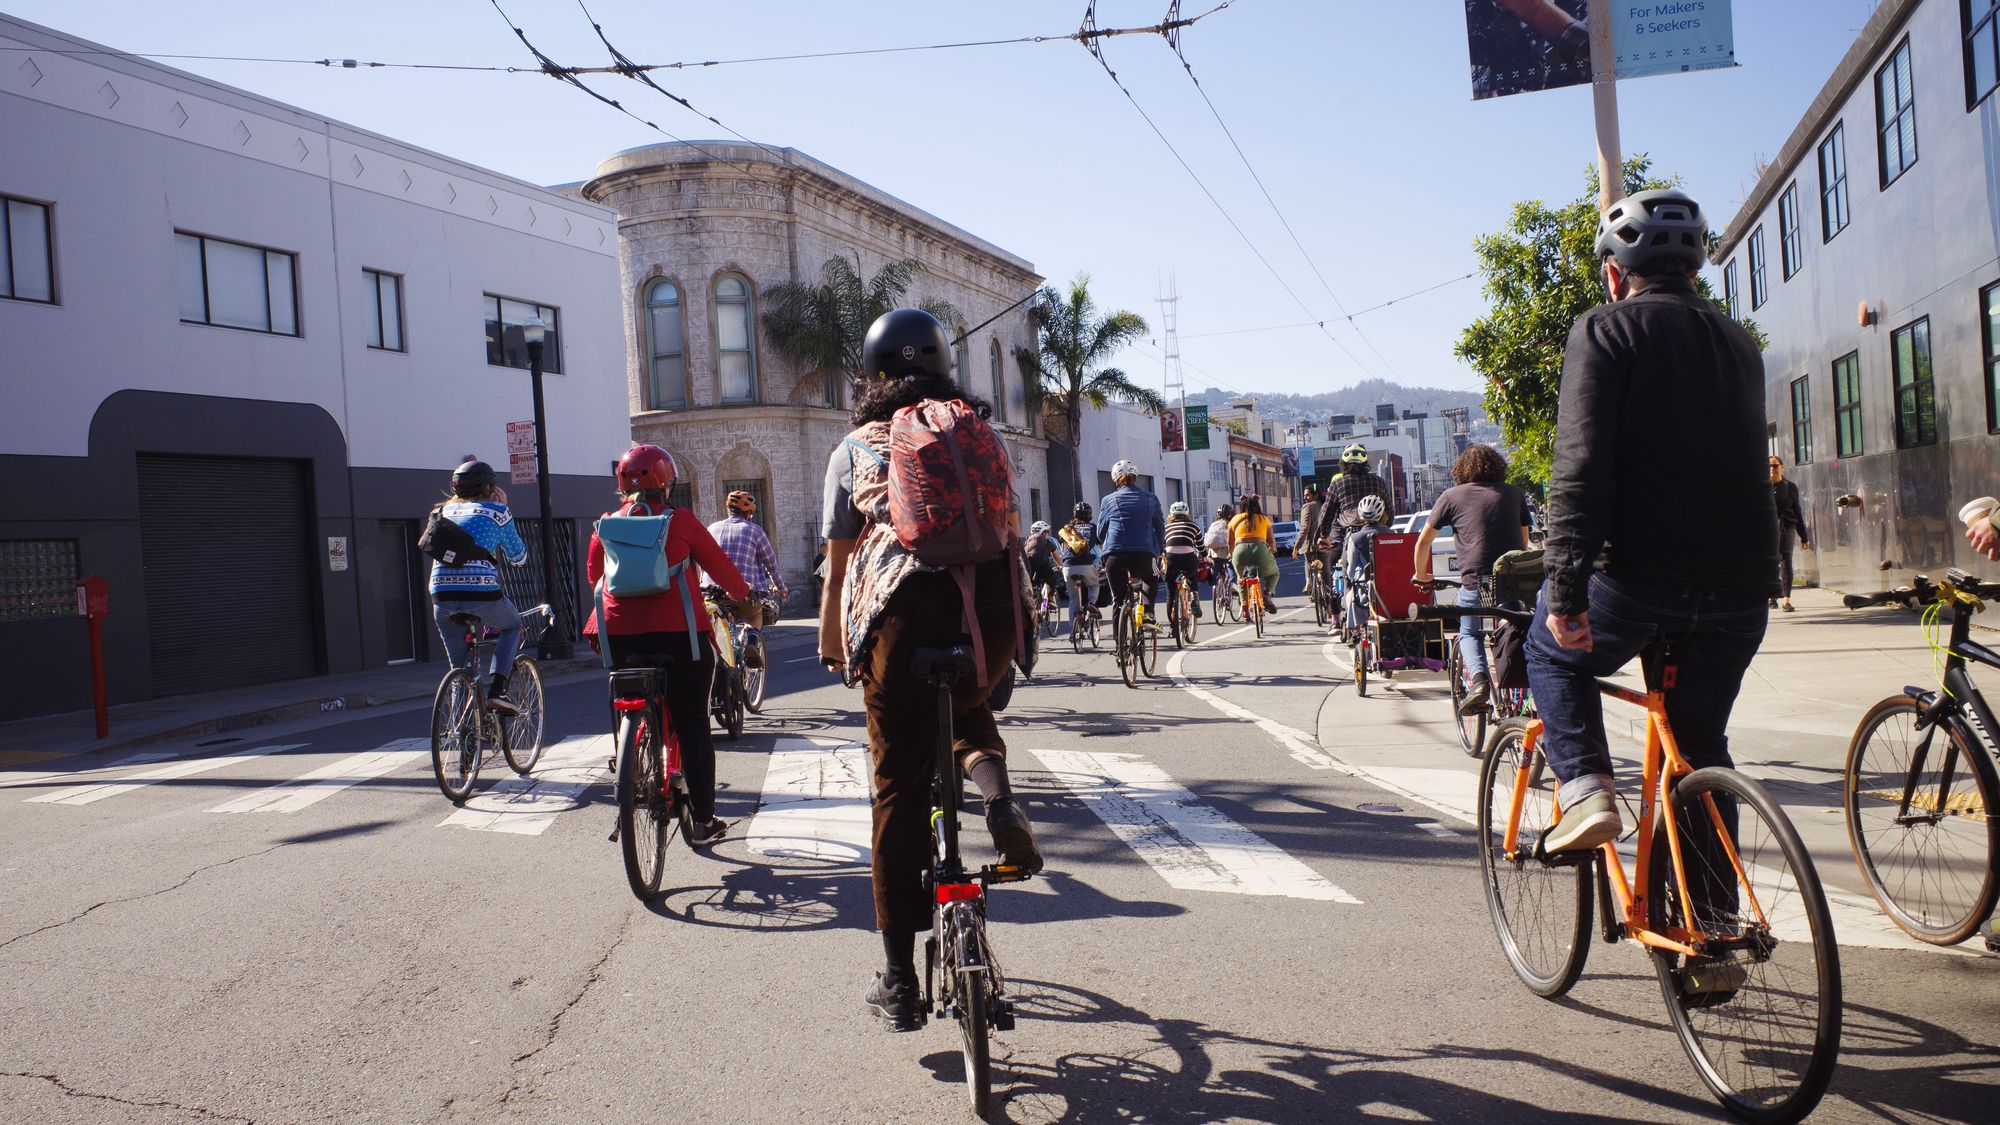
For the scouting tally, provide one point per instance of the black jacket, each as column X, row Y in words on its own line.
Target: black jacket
column 1660, row 452
column 1791, row 516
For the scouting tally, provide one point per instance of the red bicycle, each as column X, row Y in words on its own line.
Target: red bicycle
column 652, row 791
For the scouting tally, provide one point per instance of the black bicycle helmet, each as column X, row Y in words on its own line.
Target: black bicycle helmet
column 1652, row 227
column 1080, row 512
column 906, row 343
column 471, row 478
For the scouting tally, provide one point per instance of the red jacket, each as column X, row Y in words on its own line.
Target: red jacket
column 661, row 613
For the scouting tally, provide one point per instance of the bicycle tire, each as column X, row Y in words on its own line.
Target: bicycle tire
column 642, row 807
column 1471, row 728
column 1190, row 619
column 1934, row 880
column 1540, row 913
column 1318, row 596
column 525, row 730
column 1121, row 640
column 1174, row 615
column 1359, row 654
column 454, row 766
column 733, row 714
column 975, row 1045
column 1766, row 1049
column 1147, row 647
column 1256, row 613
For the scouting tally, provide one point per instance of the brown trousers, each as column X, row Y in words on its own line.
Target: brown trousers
column 925, row 612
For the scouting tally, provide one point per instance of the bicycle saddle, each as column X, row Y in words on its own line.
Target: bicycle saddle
column 942, row 665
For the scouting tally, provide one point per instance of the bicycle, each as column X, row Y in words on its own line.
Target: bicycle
column 1224, row 599
column 755, row 671
column 728, row 697
column 651, row 790
column 962, row 977
column 1471, row 728
column 1317, row 592
column 1181, row 617
column 1136, row 641
column 1743, row 953
column 1926, row 834
column 1045, row 609
column 1251, row 587
column 465, row 734
column 1083, row 623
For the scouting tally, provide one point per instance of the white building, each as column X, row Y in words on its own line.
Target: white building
column 1124, row 432
column 245, row 346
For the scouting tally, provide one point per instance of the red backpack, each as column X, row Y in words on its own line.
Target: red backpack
column 951, row 489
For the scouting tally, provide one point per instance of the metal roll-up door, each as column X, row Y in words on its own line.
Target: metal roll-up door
column 228, row 571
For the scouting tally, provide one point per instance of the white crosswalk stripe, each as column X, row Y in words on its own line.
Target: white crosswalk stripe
column 527, row 806
column 98, row 791
column 815, row 803
column 24, row 780
column 1192, row 845
column 311, row 788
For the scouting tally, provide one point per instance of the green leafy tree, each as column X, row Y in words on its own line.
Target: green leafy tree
column 1069, row 371
column 821, row 326
column 1541, row 274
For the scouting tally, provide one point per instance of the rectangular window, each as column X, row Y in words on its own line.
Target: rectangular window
column 1847, row 405
column 1729, row 291
column 1896, row 114
column 1759, row 292
column 236, row 285
column 1916, row 390
column 1790, row 244
column 1802, row 450
column 1034, row 505
column 38, row 579
column 1982, row 48
column 27, row 260
column 1989, row 304
column 504, row 345
column 385, row 291
column 1832, row 184
column 1104, row 485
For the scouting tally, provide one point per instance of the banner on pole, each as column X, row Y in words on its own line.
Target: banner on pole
column 1170, row 431
column 1197, row 427
column 1521, row 46
column 1672, row 37
column 1306, row 466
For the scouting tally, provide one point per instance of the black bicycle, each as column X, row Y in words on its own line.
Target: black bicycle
column 1923, row 812
column 465, row 733
column 1136, row 638
column 1083, row 624
column 962, row 977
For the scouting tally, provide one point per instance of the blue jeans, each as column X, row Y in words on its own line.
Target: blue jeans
column 1471, row 638
column 1715, row 634
column 499, row 614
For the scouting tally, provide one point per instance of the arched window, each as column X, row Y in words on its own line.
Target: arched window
column 999, row 386
column 668, row 387
column 735, row 340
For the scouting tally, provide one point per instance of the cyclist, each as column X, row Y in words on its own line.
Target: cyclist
column 1216, row 539
column 1131, row 526
column 1357, row 560
column 1654, row 374
column 1489, row 517
column 749, row 548
column 1341, row 509
column 480, row 507
column 1250, row 539
column 1183, row 553
column 651, row 630
column 1309, row 511
column 888, row 607
column 1039, row 553
column 1076, row 548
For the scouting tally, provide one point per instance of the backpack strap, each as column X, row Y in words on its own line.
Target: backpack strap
column 869, row 450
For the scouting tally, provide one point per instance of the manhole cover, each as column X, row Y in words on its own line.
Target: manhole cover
column 220, row 741
column 1380, row 808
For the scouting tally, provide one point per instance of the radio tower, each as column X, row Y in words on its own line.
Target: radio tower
column 1176, row 386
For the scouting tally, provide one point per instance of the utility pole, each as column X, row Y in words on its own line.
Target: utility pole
column 1176, row 383
column 1604, row 102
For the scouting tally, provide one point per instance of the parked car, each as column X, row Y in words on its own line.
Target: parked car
column 1285, row 533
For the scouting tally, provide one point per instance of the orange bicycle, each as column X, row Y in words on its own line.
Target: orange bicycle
column 1727, row 905
column 1253, row 600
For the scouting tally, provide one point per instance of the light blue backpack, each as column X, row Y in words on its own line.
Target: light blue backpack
column 635, row 565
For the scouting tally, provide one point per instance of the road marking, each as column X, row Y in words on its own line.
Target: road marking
column 1438, row 830
column 311, row 788
column 1192, row 845
column 1303, row 748
column 86, row 794
column 527, row 806
column 815, row 803
column 94, row 771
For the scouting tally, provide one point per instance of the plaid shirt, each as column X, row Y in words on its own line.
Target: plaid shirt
column 750, row 549
column 1342, row 509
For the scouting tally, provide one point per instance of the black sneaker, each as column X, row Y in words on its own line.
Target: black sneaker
column 496, row 698
column 897, row 1001
column 705, row 832
column 1476, row 694
column 1012, row 837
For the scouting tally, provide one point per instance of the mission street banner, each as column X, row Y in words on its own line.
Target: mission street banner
column 1520, row 46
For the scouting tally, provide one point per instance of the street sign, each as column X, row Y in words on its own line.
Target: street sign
column 1197, row 427
column 1306, row 467
column 521, row 437
column 522, row 466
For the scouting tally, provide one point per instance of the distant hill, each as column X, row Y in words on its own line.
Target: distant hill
column 1359, row 399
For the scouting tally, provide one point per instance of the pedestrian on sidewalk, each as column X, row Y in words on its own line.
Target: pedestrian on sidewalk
column 1791, row 528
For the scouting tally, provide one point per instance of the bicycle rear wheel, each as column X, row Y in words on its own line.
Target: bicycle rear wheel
column 1471, row 728
column 970, row 986
column 1121, row 643
column 1175, row 614
column 525, row 730
column 1318, row 595
column 1190, row 601
column 755, row 677
column 455, row 723
column 1147, row 648
column 1925, row 844
column 1763, row 1029
column 643, row 814
column 1361, row 654
column 1254, row 606
column 1541, row 913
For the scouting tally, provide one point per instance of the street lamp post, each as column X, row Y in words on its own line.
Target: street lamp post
column 554, row 644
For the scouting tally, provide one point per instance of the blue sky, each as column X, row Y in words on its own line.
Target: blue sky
column 1358, row 116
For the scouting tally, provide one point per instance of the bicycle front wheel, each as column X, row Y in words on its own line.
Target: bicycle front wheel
column 643, row 814
column 1759, row 1015
column 1540, row 912
column 525, row 730
column 1925, row 841
column 974, row 1045
column 455, row 723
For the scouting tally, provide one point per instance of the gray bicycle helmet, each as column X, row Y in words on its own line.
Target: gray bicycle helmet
column 1653, row 226
column 1371, row 509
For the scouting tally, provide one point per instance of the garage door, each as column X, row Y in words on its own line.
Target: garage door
column 228, row 571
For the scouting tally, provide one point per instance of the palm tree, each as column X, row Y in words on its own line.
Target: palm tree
column 1068, row 370
column 821, row 326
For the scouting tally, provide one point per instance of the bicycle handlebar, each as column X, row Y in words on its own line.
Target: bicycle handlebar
column 1922, row 589
column 1454, row 613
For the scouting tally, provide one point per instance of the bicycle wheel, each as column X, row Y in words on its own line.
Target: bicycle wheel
column 1255, row 608
column 755, row 678
column 1121, row 639
column 1929, row 860
column 455, row 723
column 1076, row 632
column 1360, row 654
column 733, row 711
column 642, row 806
column 1146, row 644
column 1471, row 728
column 1177, row 612
column 1541, row 913
column 1318, row 595
column 1765, row 1033
column 525, row 730
column 974, row 1046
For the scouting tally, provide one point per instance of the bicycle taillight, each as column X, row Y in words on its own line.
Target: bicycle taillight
column 628, row 705
column 957, row 892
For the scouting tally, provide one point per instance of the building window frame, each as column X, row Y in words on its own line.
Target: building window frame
column 1833, row 209
column 1730, row 293
column 499, row 353
column 1791, row 243
column 388, row 333
column 14, row 213
column 287, row 287
column 1897, row 117
column 1847, row 415
column 734, row 304
column 1982, row 40
column 1760, row 290
column 1989, row 335
column 1802, row 443
column 651, row 303
column 1914, row 378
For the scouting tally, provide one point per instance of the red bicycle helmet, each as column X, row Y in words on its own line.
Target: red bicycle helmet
column 646, row 468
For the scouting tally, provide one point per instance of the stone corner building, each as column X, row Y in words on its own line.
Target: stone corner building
column 704, row 231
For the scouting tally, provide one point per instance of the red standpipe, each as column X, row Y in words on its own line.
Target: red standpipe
column 97, row 677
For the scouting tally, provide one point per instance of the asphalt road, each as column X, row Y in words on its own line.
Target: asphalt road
column 1266, row 936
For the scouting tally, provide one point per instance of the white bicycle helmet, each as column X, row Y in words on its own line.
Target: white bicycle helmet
column 1372, row 509
column 1123, row 469
column 1037, row 527
column 1178, row 508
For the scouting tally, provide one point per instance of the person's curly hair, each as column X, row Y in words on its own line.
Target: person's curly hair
column 881, row 398
column 1482, row 464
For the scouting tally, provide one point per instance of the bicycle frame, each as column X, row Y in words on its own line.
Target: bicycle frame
column 1959, row 695
column 651, row 707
